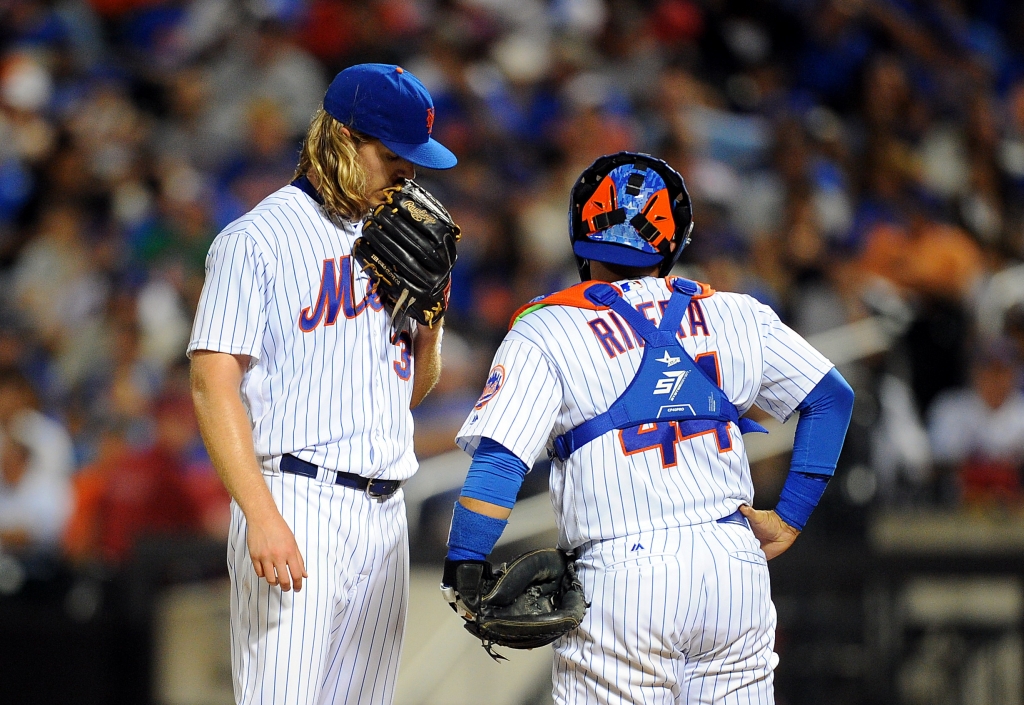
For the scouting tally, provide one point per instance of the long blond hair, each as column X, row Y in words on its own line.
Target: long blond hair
column 331, row 155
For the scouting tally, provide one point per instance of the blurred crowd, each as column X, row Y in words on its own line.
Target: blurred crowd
column 847, row 159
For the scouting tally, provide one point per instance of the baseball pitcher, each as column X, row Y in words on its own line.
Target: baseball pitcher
column 314, row 336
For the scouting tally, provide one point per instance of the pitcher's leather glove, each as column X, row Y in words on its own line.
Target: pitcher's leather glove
column 408, row 248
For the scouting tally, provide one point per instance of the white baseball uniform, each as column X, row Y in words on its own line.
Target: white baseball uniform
column 328, row 387
column 681, row 609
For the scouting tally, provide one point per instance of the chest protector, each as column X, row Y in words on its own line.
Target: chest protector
column 668, row 386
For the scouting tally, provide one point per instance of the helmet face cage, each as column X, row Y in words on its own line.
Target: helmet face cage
column 628, row 209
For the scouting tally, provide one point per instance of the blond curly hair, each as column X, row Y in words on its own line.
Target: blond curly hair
column 331, row 154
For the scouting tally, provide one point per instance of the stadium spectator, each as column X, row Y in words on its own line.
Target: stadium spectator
column 47, row 441
column 977, row 433
column 128, row 494
column 34, row 502
column 439, row 417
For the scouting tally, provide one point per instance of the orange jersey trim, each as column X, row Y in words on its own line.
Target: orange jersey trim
column 576, row 296
column 705, row 289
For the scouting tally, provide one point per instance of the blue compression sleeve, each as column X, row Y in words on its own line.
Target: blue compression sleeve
column 495, row 475
column 824, row 417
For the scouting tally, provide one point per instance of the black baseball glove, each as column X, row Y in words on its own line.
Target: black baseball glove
column 408, row 247
column 524, row 604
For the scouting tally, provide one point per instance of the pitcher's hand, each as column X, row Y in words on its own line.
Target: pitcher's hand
column 274, row 552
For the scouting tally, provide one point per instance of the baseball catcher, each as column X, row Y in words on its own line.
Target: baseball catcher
column 408, row 247
column 635, row 383
column 524, row 604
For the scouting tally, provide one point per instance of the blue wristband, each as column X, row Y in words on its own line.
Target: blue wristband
column 799, row 497
column 824, row 417
column 472, row 536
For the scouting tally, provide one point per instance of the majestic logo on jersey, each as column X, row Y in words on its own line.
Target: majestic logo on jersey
column 494, row 381
column 418, row 214
column 668, row 359
column 671, row 382
column 336, row 295
column 430, row 119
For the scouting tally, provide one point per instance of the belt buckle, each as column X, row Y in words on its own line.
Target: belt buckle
column 379, row 496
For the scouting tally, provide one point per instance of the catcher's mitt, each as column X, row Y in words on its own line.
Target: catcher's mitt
column 524, row 604
column 408, row 247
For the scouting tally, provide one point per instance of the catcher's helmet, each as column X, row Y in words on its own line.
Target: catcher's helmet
column 628, row 209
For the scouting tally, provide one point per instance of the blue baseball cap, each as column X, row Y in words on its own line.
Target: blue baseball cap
column 387, row 102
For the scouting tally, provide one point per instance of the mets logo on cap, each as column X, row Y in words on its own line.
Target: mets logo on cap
column 430, row 120
column 494, row 381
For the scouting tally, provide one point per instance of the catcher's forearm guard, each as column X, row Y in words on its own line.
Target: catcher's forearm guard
column 527, row 603
column 408, row 248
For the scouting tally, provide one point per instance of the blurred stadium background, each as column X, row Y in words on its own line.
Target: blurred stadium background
column 858, row 165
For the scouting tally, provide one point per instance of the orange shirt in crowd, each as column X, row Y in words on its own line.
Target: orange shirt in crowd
column 933, row 258
column 126, row 495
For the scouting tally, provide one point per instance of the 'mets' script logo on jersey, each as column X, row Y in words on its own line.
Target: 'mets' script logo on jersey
column 337, row 287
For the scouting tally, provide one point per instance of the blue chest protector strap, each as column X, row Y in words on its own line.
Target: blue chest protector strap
column 668, row 386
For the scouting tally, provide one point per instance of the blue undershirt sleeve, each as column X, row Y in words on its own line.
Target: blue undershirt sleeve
column 824, row 418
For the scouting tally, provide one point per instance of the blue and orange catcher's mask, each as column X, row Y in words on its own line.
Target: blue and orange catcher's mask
column 629, row 209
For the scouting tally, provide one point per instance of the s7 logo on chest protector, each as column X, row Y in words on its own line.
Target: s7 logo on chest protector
column 670, row 383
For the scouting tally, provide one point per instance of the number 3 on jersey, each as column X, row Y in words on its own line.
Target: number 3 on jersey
column 403, row 365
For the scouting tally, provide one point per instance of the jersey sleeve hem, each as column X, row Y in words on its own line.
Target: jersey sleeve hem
column 471, row 443
column 814, row 383
column 776, row 410
column 216, row 346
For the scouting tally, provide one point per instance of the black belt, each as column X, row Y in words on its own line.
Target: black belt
column 378, row 489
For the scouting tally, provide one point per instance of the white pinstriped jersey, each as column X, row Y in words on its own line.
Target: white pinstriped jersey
column 561, row 365
column 327, row 385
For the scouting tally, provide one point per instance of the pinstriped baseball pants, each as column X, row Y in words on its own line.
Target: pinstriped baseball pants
column 681, row 616
column 339, row 639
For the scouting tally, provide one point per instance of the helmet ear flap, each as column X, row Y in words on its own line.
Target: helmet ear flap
column 580, row 194
column 670, row 262
column 684, row 230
